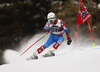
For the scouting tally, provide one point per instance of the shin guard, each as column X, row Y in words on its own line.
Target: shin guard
column 57, row 44
column 39, row 50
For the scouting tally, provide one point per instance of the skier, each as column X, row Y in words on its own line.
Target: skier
column 56, row 28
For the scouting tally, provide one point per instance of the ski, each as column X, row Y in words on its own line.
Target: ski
column 49, row 55
column 32, row 58
column 36, row 57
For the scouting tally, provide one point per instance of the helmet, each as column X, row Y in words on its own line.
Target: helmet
column 51, row 15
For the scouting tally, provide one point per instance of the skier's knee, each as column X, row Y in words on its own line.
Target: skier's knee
column 57, row 44
column 46, row 45
column 61, row 39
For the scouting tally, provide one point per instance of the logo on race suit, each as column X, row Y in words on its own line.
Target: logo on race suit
column 56, row 28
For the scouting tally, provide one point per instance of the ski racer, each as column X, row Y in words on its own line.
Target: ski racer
column 56, row 28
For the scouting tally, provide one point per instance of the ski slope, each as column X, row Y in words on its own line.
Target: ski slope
column 81, row 60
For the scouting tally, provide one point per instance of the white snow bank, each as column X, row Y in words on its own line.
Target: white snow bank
column 83, row 60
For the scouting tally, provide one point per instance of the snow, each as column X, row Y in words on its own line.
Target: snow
column 79, row 59
column 85, row 60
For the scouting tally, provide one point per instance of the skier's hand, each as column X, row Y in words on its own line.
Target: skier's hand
column 51, row 30
column 46, row 29
column 69, row 41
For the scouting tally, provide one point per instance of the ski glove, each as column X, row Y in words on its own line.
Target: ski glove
column 51, row 30
column 69, row 41
column 48, row 29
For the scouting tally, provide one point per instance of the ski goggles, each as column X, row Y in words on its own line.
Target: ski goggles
column 51, row 19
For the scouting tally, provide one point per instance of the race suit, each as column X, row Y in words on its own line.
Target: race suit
column 57, row 34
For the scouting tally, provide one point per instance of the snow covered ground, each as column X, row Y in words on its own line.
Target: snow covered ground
column 87, row 60
column 66, row 59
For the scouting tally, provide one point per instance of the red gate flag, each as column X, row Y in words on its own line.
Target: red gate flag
column 83, row 15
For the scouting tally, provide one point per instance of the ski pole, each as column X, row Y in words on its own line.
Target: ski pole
column 34, row 43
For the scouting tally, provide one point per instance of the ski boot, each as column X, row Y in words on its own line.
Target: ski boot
column 50, row 53
column 34, row 56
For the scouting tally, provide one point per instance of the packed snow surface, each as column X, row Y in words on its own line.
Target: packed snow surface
column 67, row 58
column 81, row 60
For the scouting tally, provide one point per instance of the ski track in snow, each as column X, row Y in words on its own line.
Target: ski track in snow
column 79, row 59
